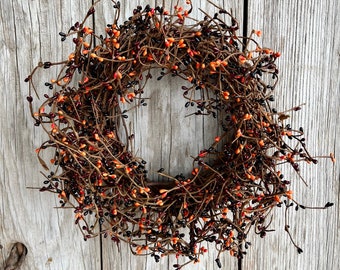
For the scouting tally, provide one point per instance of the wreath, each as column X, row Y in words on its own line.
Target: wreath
column 234, row 183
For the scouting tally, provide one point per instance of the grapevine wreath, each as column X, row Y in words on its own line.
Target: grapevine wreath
column 235, row 182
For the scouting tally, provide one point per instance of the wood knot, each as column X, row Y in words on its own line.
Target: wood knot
column 16, row 256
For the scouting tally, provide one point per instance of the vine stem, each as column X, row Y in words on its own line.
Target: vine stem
column 100, row 225
column 239, row 264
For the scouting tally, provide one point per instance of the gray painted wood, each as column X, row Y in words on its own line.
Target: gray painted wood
column 306, row 32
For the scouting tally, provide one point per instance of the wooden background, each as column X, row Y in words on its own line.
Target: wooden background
column 306, row 32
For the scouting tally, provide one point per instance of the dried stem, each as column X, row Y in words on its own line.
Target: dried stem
column 234, row 184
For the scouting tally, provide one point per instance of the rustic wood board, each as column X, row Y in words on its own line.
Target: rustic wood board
column 306, row 32
column 166, row 138
column 29, row 29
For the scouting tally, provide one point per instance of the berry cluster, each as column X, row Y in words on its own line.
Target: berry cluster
column 234, row 183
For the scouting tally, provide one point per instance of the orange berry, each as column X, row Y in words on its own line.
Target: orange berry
column 277, row 198
column 261, row 143
column 242, row 59
column 258, row 32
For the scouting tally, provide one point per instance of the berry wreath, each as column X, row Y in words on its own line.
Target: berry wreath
column 234, row 184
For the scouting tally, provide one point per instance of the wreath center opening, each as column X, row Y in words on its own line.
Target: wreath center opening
column 167, row 130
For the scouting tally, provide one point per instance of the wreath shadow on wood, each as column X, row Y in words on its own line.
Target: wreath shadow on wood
column 234, row 184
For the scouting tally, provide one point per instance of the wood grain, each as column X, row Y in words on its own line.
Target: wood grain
column 166, row 138
column 29, row 29
column 306, row 32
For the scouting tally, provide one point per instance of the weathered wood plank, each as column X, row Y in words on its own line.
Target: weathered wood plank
column 165, row 137
column 29, row 33
column 306, row 32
